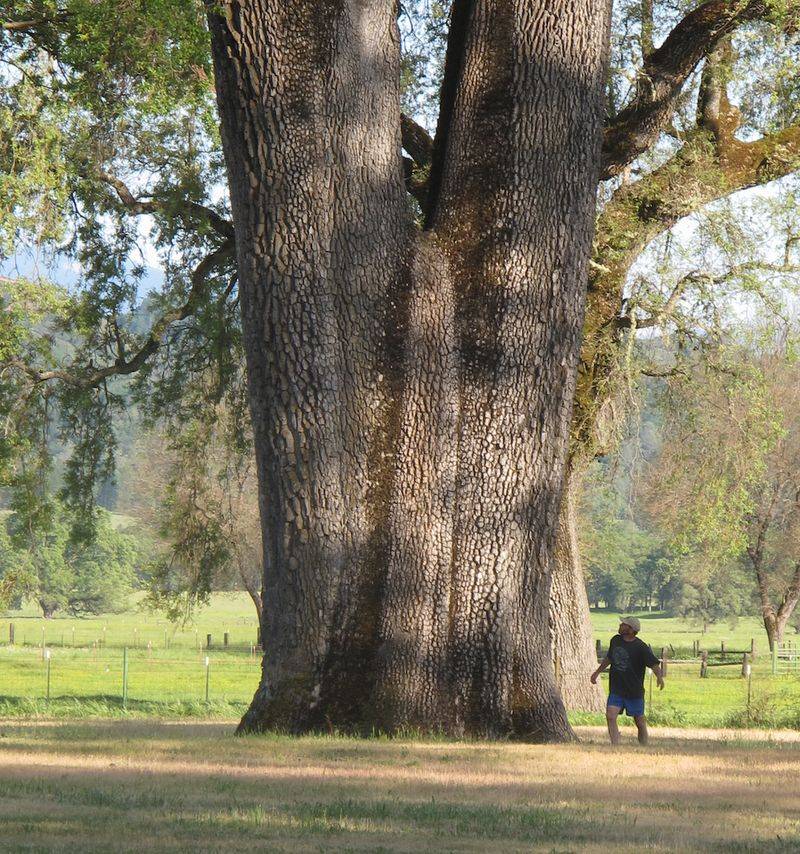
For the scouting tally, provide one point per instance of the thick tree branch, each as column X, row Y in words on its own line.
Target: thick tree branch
column 698, row 174
column 123, row 366
column 34, row 24
column 144, row 206
column 664, row 73
column 416, row 141
column 460, row 14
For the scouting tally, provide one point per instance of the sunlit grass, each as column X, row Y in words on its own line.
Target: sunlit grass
column 167, row 675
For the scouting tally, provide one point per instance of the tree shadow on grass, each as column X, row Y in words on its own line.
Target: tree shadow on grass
column 191, row 782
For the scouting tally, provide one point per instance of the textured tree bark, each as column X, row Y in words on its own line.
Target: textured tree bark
column 421, row 598
column 574, row 652
column 514, row 212
column 413, row 685
column 309, row 104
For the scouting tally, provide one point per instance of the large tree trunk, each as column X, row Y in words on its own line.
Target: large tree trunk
column 422, row 599
column 517, row 207
column 574, row 651
column 309, row 103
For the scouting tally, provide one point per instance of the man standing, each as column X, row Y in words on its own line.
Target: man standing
column 628, row 657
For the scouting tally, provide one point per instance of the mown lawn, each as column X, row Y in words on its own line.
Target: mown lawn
column 147, row 786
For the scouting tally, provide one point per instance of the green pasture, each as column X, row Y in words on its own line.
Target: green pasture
column 228, row 612
column 167, row 668
column 234, row 613
column 677, row 633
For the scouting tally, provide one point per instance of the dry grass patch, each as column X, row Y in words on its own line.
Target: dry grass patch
column 138, row 786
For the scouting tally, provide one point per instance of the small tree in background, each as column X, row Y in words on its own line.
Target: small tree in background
column 196, row 486
column 63, row 575
column 727, row 483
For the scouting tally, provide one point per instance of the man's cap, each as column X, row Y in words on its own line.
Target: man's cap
column 633, row 622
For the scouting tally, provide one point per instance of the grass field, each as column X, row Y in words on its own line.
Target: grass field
column 167, row 672
column 148, row 786
column 229, row 612
column 234, row 613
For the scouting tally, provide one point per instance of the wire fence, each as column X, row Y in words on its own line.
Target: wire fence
column 55, row 673
column 145, row 635
column 709, row 690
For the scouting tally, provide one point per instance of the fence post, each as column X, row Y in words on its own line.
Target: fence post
column 125, row 677
column 47, row 657
column 663, row 661
column 704, row 664
column 752, row 647
column 208, row 641
column 225, row 639
column 745, row 665
column 722, row 650
column 597, row 648
column 11, row 634
column 208, row 674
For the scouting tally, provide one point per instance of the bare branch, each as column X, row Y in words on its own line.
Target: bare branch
column 121, row 365
column 670, row 372
column 144, row 206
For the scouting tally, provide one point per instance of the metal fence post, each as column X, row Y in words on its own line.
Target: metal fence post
column 125, row 677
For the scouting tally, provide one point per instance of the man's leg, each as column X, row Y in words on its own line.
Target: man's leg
column 611, row 719
column 641, row 726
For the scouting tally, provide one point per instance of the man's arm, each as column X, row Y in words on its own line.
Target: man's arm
column 656, row 668
column 604, row 665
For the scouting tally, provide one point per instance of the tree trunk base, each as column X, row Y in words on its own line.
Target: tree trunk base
column 288, row 713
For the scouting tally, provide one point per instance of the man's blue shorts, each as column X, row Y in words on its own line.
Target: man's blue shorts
column 632, row 706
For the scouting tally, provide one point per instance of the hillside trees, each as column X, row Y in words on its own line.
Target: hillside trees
column 409, row 469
